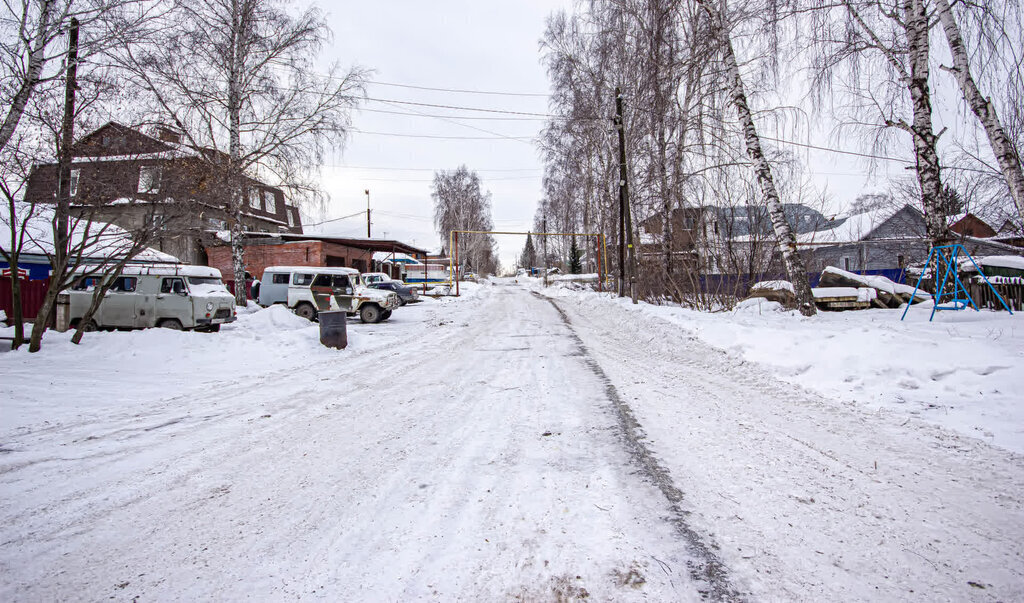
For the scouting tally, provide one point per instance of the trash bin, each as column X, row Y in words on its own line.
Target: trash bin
column 333, row 330
column 63, row 314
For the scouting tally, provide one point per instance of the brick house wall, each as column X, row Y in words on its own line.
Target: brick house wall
column 299, row 253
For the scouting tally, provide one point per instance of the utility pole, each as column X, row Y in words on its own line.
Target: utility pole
column 544, row 226
column 623, row 190
column 367, row 213
column 67, row 135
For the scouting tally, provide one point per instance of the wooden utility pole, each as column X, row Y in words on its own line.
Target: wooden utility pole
column 368, row 213
column 544, row 226
column 67, row 135
column 625, row 222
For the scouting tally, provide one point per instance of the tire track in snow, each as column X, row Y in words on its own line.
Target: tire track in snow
column 706, row 567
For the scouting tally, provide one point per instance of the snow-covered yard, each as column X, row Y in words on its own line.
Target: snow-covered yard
column 505, row 445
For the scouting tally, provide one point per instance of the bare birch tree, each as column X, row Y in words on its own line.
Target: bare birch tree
column 460, row 203
column 237, row 78
column 1002, row 147
column 791, row 259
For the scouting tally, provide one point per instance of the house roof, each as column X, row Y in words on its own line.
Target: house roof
column 861, row 225
column 373, row 245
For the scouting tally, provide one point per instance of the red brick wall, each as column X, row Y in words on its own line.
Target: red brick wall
column 304, row 253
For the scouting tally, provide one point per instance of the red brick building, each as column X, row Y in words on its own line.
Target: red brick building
column 262, row 250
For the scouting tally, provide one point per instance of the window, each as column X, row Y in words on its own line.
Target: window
column 172, row 285
column 340, row 282
column 280, row 279
column 149, row 179
column 302, row 279
column 204, row 280
column 269, row 202
column 85, row 284
column 901, row 261
column 322, row 280
column 291, row 217
column 75, row 174
column 124, row 284
column 846, row 264
column 254, row 199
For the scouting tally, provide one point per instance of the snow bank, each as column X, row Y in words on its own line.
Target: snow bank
column 773, row 286
column 276, row 317
column 964, row 371
column 146, row 364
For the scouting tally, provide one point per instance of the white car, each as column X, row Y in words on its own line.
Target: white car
column 312, row 290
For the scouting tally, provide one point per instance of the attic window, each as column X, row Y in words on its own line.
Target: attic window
column 269, row 202
column 254, row 199
column 291, row 217
column 75, row 174
column 149, row 179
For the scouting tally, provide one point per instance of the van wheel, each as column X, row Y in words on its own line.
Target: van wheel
column 386, row 315
column 89, row 327
column 306, row 310
column 209, row 329
column 170, row 323
column 371, row 313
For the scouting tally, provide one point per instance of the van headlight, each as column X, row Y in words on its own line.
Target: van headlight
column 209, row 306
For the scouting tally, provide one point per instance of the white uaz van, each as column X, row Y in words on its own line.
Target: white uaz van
column 159, row 295
column 312, row 289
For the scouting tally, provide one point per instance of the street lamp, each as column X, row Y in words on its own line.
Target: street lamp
column 367, row 213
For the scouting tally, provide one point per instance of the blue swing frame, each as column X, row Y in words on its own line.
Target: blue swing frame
column 949, row 268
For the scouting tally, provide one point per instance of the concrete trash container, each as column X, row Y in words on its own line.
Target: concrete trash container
column 333, row 329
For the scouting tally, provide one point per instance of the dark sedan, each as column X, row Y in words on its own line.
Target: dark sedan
column 406, row 294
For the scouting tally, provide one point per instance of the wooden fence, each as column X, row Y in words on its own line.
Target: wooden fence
column 1011, row 289
column 32, row 294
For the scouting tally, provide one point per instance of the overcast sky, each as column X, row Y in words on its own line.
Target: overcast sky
column 492, row 46
column 469, row 45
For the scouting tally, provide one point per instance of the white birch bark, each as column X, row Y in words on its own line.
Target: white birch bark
column 36, row 61
column 925, row 140
column 1002, row 147
column 234, row 107
column 791, row 259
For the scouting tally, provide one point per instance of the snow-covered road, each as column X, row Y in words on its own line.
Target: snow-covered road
column 499, row 446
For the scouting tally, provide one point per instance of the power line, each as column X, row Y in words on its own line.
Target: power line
column 400, row 169
column 401, row 135
column 462, row 108
column 431, row 179
column 459, row 91
column 361, row 213
column 473, row 117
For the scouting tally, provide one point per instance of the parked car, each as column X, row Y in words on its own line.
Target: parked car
column 312, row 290
column 372, row 278
column 159, row 295
column 406, row 294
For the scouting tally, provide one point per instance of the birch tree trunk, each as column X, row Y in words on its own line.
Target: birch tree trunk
column 1002, row 147
column 925, row 140
column 791, row 259
column 36, row 61
column 239, row 26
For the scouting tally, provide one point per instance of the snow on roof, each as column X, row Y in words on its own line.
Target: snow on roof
column 853, row 227
column 1003, row 261
column 397, row 257
column 101, row 241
